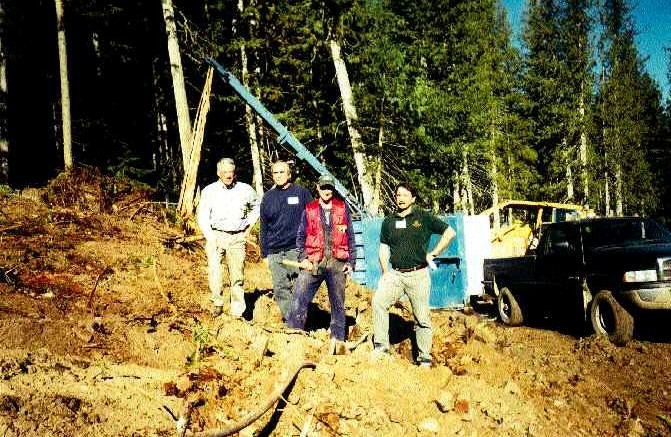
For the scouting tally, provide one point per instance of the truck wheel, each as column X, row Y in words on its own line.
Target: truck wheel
column 610, row 319
column 509, row 310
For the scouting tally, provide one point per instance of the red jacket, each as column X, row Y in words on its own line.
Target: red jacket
column 314, row 235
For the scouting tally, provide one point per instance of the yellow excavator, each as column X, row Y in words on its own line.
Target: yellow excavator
column 514, row 224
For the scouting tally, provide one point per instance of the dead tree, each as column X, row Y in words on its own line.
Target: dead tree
column 65, row 87
column 188, row 188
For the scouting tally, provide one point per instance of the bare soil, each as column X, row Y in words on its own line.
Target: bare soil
column 105, row 331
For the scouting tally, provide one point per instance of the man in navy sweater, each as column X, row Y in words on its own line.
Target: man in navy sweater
column 281, row 210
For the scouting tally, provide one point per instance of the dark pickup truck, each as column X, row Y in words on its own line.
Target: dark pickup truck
column 607, row 271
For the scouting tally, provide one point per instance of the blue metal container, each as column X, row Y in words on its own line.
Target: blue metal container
column 448, row 281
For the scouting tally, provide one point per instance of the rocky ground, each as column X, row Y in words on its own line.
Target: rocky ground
column 105, row 331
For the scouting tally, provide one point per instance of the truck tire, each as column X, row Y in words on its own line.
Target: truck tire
column 611, row 319
column 510, row 311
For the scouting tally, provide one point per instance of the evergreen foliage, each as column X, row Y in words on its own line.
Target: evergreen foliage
column 444, row 96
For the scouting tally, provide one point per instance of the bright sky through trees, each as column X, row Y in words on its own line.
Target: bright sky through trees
column 652, row 18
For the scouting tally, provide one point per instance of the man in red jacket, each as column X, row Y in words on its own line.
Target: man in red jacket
column 326, row 246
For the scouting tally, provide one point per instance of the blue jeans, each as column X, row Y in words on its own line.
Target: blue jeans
column 284, row 278
column 306, row 288
column 392, row 285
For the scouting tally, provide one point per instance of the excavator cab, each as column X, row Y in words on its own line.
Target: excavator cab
column 514, row 224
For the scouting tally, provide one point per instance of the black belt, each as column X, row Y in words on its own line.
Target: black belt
column 411, row 269
column 231, row 232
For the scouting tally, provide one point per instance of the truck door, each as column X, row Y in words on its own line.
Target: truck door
column 559, row 264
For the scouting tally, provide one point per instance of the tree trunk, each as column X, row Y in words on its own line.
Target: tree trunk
column 467, row 196
column 262, row 140
column 65, row 87
column 165, row 156
column 583, row 153
column 570, row 188
column 619, row 201
column 360, row 160
column 494, row 173
column 250, row 119
column 495, row 189
column 4, row 140
column 188, row 188
column 606, row 194
column 569, row 182
column 456, row 192
column 377, row 182
column 181, row 104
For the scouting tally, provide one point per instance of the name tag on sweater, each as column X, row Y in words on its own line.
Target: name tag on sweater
column 400, row 224
column 293, row 200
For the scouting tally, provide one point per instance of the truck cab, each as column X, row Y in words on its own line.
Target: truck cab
column 607, row 271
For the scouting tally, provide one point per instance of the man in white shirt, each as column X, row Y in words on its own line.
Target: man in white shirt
column 226, row 213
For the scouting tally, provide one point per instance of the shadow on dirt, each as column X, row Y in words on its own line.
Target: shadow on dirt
column 653, row 327
column 319, row 318
column 650, row 326
column 250, row 301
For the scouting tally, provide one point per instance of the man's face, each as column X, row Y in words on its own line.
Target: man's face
column 281, row 174
column 227, row 174
column 325, row 192
column 404, row 198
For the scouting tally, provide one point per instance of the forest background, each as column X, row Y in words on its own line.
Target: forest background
column 441, row 96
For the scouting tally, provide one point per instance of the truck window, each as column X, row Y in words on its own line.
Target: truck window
column 565, row 215
column 623, row 232
column 559, row 240
column 546, row 215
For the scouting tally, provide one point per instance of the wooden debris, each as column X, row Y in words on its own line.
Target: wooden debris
column 89, row 304
column 288, row 377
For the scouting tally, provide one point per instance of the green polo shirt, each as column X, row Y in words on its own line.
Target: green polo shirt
column 408, row 237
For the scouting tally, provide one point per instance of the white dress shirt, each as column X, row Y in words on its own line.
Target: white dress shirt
column 225, row 209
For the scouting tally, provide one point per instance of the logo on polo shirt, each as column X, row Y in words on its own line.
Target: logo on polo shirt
column 416, row 224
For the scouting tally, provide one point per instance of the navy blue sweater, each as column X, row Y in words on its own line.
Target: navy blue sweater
column 280, row 217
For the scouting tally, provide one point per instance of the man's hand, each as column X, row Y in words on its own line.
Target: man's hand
column 430, row 261
column 306, row 265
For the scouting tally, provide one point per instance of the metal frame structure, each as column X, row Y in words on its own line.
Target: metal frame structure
column 285, row 137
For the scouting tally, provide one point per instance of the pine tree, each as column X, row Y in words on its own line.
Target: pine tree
column 622, row 107
column 546, row 97
column 577, row 78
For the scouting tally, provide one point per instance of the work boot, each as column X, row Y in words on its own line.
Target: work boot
column 380, row 354
column 216, row 311
column 424, row 364
column 337, row 347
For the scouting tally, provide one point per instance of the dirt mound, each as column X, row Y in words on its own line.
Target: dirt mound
column 87, row 189
column 105, row 330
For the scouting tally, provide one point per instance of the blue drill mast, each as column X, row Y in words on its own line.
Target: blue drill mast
column 284, row 136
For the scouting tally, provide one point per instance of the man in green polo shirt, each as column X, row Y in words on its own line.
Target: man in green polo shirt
column 404, row 239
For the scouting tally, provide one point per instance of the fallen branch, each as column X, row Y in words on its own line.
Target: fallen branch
column 93, row 346
column 283, row 330
column 185, row 239
column 11, row 228
column 140, row 208
column 9, row 276
column 265, row 406
column 90, row 301
column 130, row 203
